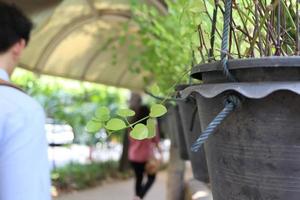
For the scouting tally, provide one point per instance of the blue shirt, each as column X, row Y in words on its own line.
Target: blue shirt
column 24, row 166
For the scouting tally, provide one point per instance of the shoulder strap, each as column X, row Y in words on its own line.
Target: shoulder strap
column 8, row 84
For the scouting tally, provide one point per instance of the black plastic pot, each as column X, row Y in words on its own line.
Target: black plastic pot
column 175, row 130
column 191, row 129
column 255, row 153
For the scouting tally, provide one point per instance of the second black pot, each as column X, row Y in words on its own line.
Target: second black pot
column 191, row 129
column 175, row 130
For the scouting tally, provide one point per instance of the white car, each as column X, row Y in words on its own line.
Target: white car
column 59, row 134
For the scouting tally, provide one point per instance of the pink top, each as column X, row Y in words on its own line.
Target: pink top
column 141, row 150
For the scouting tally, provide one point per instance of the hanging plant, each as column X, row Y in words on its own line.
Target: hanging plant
column 258, row 28
column 104, row 119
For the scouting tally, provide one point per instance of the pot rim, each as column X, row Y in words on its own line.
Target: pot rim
column 252, row 90
column 264, row 62
column 180, row 87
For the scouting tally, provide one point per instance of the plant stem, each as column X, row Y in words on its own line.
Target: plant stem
column 262, row 22
column 138, row 121
column 283, row 37
column 256, row 28
column 206, row 11
column 193, row 61
column 213, row 32
column 202, row 39
column 172, row 87
column 237, row 45
column 230, row 33
column 128, row 123
column 298, row 28
column 286, row 11
column 200, row 49
column 278, row 44
column 129, row 126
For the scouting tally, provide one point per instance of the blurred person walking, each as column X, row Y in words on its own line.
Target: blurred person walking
column 141, row 157
column 24, row 166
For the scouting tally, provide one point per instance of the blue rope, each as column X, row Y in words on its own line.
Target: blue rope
column 231, row 103
column 225, row 41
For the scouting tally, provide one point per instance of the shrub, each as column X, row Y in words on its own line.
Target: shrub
column 77, row 176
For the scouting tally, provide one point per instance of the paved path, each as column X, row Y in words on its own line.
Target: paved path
column 123, row 190
column 119, row 191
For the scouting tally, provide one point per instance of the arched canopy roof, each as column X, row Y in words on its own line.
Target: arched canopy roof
column 78, row 39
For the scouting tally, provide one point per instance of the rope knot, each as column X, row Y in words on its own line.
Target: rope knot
column 233, row 99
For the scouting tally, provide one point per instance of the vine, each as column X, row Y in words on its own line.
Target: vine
column 103, row 119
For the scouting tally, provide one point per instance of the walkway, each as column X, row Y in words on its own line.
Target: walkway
column 123, row 190
column 119, row 190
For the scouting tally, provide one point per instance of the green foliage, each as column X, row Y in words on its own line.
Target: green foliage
column 139, row 132
column 157, row 110
column 76, row 107
column 155, row 90
column 258, row 29
column 125, row 112
column 167, row 41
column 72, row 102
column 151, row 125
column 94, row 126
column 115, row 124
column 102, row 114
column 77, row 176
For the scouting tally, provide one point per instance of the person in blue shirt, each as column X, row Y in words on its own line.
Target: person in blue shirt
column 24, row 166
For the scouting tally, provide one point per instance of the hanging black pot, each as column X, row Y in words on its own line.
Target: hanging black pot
column 188, row 113
column 255, row 153
column 177, row 131
column 165, row 124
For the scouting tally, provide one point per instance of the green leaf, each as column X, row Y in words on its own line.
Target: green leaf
column 139, row 132
column 125, row 112
column 155, row 90
column 151, row 128
column 115, row 124
column 102, row 114
column 158, row 110
column 93, row 126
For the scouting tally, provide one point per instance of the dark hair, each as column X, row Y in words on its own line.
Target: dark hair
column 14, row 25
column 142, row 112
